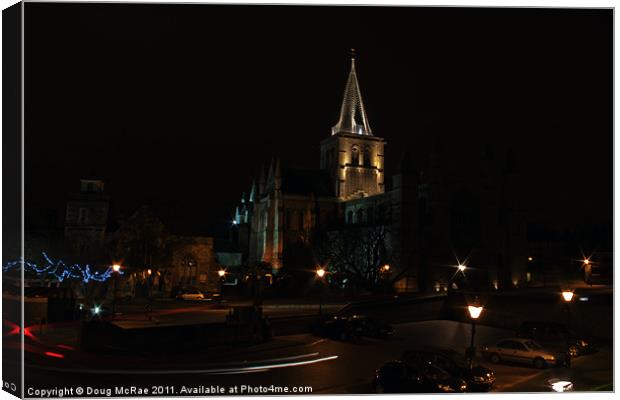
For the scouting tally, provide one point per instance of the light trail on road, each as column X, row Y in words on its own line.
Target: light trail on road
column 211, row 371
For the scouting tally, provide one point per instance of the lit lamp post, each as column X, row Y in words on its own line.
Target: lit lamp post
column 385, row 277
column 462, row 267
column 567, row 296
column 149, row 272
column 116, row 268
column 222, row 274
column 320, row 272
column 474, row 313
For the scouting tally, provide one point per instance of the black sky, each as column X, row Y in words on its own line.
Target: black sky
column 178, row 105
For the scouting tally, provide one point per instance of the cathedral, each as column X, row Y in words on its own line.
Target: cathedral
column 285, row 206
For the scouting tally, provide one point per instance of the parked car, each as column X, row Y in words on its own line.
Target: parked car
column 371, row 327
column 524, row 351
column 556, row 336
column 339, row 328
column 478, row 378
column 190, row 294
column 400, row 377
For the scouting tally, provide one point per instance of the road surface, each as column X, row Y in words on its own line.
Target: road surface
column 298, row 362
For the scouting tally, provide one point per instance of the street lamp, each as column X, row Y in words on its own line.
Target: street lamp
column 474, row 312
column 221, row 273
column 116, row 268
column 567, row 296
column 320, row 272
column 462, row 267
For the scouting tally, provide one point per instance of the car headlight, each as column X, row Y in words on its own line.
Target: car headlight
column 478, row 378
column 549, row 358
column 445, row 388
column 583, row 343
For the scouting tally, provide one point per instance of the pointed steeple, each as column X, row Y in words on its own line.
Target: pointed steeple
column 252, row 197
column 262, row 181
column 353, row 118
column 237, row 215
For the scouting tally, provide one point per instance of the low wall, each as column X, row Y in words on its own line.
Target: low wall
column 592, row 318
column 102, row 335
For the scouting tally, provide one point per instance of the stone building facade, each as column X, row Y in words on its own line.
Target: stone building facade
column 86, row 217
column 191, row 263
column 427, row 213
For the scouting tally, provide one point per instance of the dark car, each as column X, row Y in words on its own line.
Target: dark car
column 371, row 327
column 555, row 335
column 339, row 328
column 478, row 378
column 400, row 377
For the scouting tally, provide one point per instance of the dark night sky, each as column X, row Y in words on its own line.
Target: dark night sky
column 178, row 105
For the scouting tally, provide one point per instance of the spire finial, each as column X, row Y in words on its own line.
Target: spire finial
column 352, row 54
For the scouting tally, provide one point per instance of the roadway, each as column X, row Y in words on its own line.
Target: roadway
column 326, row 366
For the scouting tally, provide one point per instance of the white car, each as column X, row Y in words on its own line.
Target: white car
column 523, row 350
column 193, row 294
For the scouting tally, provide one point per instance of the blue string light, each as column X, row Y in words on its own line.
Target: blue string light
column 62, row 271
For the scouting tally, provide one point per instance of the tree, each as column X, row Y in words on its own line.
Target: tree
column 140, row 241
column 356, row 253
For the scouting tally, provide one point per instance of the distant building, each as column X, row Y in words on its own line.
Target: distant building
column 143, row 243
column 427, row 215
column 86, row 217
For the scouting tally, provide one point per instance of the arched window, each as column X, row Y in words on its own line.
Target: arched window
column 366, row 156
column 355, row 155
column 360, row 216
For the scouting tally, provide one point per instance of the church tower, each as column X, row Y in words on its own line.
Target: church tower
column 352, row 156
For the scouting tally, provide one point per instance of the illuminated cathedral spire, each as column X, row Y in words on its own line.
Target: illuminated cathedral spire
column 353, row 118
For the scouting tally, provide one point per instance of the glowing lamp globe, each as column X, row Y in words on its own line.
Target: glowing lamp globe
column 474, row 311
column 116, row 267
column 221, row 273
column 320, row 272
column 461, row 267
column 567, row 295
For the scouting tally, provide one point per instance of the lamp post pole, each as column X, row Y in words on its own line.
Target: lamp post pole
column 320, row 272
column 222, row 275
column 567, row 295
column 116, row 268
column 474, row 313
column 472, row 345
